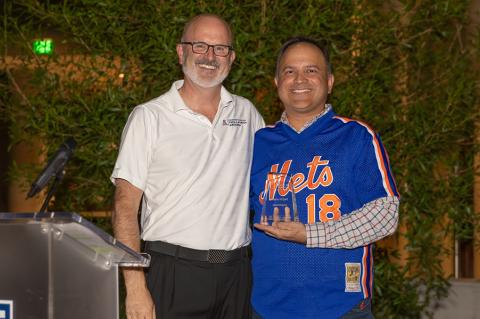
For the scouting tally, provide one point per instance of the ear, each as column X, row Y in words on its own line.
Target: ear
column 232, row 57
column 180, row 53
column 331, row 80
column 276, row 81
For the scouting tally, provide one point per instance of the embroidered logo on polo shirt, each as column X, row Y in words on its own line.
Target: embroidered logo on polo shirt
column 234, row 122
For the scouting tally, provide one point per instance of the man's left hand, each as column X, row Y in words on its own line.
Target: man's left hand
column 291, row 231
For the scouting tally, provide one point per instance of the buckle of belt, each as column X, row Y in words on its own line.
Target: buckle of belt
column 221, row 256
column 212, row 256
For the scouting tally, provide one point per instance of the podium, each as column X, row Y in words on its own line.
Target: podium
column 58, row 265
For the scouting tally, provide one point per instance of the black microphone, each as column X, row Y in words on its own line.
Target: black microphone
column 54, row 166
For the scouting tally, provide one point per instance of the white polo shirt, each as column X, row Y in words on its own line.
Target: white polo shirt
column 195, row 174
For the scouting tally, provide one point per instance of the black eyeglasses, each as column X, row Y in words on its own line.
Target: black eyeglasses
column 202, row 48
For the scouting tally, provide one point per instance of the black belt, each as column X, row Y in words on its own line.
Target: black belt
column 213, row 256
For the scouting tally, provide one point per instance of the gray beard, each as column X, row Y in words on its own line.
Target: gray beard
column 200, row 82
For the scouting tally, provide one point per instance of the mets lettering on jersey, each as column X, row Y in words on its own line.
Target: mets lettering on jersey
column 329, row 204
column 336, row 166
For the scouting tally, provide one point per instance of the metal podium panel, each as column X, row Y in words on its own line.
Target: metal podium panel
column 24, row 269
column 59, row 265
column 81, row 289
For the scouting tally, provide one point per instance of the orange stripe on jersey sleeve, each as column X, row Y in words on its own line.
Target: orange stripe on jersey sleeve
column 378, row 150
column 378, row 154
column 364, row 272
column 370, row 248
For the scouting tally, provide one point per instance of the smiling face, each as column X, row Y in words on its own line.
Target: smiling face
column 303, row 81
column 205, row 70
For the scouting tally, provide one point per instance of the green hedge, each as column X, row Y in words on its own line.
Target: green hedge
column 411, row 81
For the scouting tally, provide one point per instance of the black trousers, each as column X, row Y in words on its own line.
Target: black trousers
column 183, row 288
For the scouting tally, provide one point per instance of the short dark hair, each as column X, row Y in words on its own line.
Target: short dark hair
column 302, row 39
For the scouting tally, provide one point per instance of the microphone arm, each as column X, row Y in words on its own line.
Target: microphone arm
column 53, row 167
column 52, row 190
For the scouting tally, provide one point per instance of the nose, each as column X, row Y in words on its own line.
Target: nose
column 299, row 77
column 210, row 53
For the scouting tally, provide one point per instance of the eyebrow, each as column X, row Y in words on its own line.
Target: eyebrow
column 306, row 66
column 286, row 67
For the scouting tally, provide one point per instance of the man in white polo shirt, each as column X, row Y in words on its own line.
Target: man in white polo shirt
column 187, row 155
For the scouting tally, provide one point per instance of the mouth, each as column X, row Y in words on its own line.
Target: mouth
column 300, row 91
column 207, row 66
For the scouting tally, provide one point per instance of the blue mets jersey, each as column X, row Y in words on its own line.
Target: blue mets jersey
column 336, row 166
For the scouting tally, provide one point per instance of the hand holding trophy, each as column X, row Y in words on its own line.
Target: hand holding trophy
column 279, row 202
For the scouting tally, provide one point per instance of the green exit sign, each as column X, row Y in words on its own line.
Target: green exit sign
column 43, row 46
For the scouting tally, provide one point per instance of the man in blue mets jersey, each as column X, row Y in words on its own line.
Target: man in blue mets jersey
column 322, row 265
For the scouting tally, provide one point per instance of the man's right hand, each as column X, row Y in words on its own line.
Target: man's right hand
column 139, row 304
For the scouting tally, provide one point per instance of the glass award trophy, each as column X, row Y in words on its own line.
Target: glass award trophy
column 279, row 202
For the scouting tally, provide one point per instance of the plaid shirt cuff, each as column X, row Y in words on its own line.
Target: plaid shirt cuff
column 374, row 221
